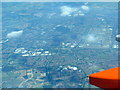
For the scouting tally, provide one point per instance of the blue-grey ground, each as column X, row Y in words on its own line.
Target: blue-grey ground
column 57, row 45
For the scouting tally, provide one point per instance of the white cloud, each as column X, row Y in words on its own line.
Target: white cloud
column 67, row 11
column 81, row 14
column 91, row 38
column 72, row 11
column 85, row 7
column 78, row 13
column 14, row 34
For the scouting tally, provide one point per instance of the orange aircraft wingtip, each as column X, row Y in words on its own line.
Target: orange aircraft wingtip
column 106, row 79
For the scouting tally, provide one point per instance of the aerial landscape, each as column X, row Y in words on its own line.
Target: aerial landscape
column 57, row 44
